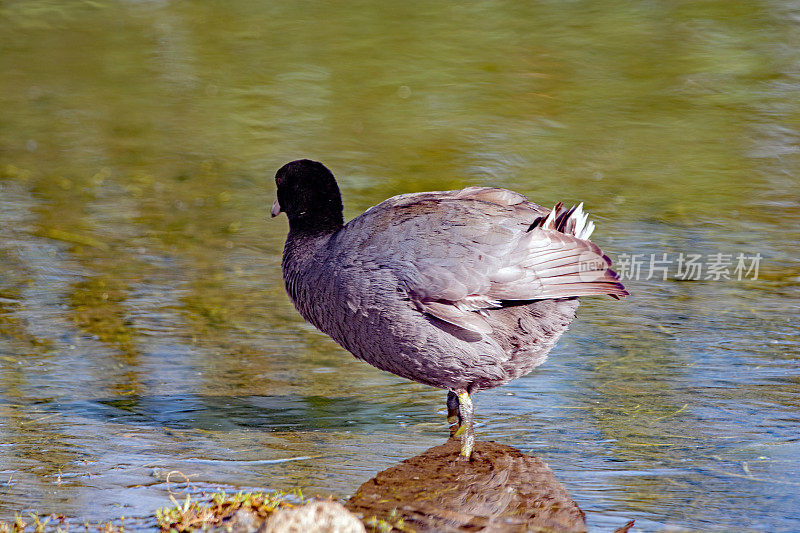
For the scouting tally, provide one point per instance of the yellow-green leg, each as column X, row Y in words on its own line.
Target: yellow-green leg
column 459, row 411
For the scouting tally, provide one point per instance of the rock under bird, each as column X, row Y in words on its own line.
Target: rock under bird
column 463, row 290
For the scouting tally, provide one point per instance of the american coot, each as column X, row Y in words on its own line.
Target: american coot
column 463, row 290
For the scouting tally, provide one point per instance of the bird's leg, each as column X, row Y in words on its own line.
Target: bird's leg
column 453, row 413
column 465, row 427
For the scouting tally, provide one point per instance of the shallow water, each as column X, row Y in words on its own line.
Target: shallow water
column 143, row 323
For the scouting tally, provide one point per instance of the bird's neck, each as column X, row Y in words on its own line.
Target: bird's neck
column 302, row 255
column 315, row 225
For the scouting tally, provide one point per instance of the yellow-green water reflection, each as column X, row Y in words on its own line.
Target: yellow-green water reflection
column 143, row 324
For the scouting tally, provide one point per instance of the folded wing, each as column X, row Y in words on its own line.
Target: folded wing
column 460, row 254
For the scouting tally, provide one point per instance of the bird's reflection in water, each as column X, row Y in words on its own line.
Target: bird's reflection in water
column 500, row 490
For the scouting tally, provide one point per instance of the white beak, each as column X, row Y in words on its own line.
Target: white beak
column 276, row 209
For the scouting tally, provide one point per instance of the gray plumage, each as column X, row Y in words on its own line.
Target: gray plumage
column 463, row 290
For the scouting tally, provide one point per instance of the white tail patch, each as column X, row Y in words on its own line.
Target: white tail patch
column 573, row 221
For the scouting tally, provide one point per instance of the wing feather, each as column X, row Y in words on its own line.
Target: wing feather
column 459, row 254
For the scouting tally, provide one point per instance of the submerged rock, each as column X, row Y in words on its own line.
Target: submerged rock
column 500, row 490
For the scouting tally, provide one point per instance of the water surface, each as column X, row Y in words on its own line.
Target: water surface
column 143, row 324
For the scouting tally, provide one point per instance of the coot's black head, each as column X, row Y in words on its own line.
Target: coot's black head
column 308, row 194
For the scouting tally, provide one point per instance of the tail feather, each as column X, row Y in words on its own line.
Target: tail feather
column 573, row 221
column 577, row 267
